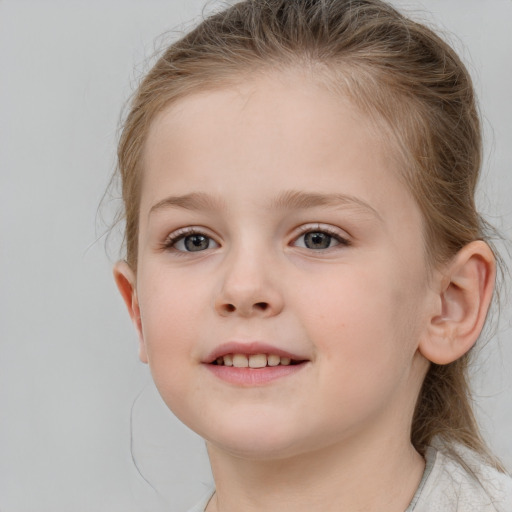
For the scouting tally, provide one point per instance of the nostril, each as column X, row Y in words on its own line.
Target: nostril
column 244, row 309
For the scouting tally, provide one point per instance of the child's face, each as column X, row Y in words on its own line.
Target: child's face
column 291, row 229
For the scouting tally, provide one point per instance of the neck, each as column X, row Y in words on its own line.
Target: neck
column 356, row 475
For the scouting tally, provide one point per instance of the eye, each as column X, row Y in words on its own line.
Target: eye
column 316, row 240
column 190, row 241
column 319, row 239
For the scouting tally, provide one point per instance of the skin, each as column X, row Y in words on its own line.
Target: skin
column 366, row 313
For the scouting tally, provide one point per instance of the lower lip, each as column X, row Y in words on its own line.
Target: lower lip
column 250, row 377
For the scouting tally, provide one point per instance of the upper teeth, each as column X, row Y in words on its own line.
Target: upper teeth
column 252, row 361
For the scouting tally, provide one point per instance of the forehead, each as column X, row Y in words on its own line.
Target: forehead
column 281, row 131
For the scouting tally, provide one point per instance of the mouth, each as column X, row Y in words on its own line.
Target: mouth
column 254, row 360
column 252, row 364
column 252, row 355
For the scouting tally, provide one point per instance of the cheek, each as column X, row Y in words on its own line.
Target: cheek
column 169, row 305
column 171, row 324
column 365, row 344
column 367, row 320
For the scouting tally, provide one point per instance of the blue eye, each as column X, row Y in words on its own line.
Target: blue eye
column 319, row 240
column 194, row 242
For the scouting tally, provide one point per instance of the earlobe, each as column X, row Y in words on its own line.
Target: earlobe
column 465, row 292
column 125, row 280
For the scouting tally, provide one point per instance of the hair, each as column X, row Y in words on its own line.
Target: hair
column 399, row 72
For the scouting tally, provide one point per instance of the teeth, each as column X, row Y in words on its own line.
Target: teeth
column 240, row 361
column 258, row 361
column 273, row 360
column 252, row 361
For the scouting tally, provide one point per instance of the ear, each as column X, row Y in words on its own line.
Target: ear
column 465, row 291
column 126, row 284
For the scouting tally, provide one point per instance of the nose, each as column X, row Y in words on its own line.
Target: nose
column 249, row 287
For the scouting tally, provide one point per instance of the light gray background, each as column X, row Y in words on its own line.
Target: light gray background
column 69, row 373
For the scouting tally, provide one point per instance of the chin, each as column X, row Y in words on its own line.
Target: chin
column 256, row 441
column 253, row 429
column 262, row 450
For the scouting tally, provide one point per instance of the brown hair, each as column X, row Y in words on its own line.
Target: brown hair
column 398, row 71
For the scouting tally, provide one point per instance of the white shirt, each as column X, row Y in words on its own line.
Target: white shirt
column 447, row 486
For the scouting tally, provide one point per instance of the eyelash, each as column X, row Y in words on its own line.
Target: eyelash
column 171, row 241
column 318, row 228
column 182, row 234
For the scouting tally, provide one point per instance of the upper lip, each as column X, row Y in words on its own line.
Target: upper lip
column 249, row 348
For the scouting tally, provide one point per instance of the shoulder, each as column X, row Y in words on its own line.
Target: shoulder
column 460, row 481
column 201, row 505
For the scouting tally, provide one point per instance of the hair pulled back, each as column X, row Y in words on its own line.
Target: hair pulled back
column 400, row 73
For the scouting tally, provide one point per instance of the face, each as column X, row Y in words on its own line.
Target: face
column 281, row 283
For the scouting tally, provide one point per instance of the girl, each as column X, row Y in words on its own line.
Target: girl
column 305, row 266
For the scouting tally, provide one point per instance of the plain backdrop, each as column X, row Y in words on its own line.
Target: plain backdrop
column 81, row 426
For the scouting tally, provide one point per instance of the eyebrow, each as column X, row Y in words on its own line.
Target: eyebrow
column 192, row 201
column 288, row 200
column 292, row 199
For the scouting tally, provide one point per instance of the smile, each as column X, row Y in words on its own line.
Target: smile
column 254, row 360
column 253, row 364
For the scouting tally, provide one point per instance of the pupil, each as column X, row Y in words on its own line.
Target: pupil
column 317, row 240
column 196, row 243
